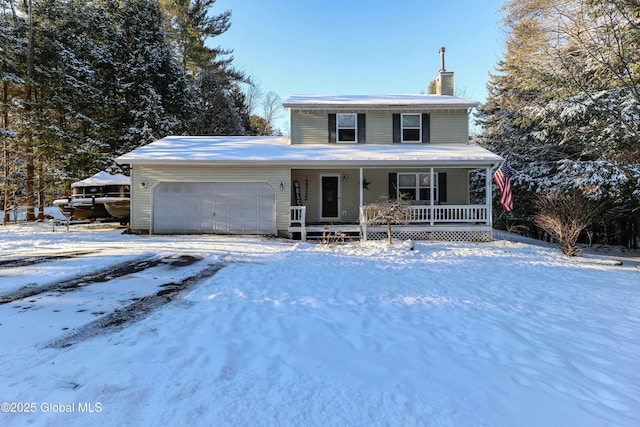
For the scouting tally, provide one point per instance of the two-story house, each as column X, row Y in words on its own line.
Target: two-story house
column 344, row 152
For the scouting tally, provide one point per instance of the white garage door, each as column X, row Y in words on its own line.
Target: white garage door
column 203, row 207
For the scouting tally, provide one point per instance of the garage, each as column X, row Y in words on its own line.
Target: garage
column 223, row 208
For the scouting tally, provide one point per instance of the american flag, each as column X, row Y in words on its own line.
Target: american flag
column 501, row 177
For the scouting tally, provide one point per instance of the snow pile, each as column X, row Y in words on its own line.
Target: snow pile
column 365, row 334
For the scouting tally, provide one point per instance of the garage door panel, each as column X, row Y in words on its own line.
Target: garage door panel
column 214, row 207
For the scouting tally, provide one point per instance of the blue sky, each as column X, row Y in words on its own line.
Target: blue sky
column 357, row 47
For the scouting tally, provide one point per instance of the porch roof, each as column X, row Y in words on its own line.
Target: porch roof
column 378, row 102
column 273, row 151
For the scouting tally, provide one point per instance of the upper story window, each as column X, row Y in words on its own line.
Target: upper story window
column 347, row 128
column 411, row 128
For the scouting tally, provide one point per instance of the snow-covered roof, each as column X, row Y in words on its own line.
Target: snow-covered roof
column 103, row 178
column 241, row 150
column 378, row 102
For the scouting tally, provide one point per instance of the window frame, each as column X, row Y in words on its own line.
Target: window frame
column 355, row 128
column 402, row 129
column 417, row 187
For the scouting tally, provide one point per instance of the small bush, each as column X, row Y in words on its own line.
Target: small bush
column 564, row 216
column 388, row 211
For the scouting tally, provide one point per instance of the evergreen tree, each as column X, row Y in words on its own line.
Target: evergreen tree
column 216, row 114
column 83, row 81
column 189, row 25
column 154, row 88
column 10, row 81
column 563, row 107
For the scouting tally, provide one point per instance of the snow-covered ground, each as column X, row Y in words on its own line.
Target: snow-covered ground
column 363, row 334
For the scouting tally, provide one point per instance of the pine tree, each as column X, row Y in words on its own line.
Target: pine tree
column 564, row 108
column 153, row 87
column 189, row 25
column 217, row 114
column 10, row 81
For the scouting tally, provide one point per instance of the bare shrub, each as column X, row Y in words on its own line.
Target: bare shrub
column 564, row 216
column 388, row 211
column 332, row 238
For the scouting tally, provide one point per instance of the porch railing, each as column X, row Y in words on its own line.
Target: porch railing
column 297, row 220
column 420, row 214
column 298, row 214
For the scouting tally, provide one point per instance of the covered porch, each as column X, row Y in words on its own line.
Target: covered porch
column 333, row 202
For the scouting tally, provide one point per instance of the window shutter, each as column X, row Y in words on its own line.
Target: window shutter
column 332, row 128
column 426, row 128
column 393, row 186
column 396, row 128
column 362, row 131
column 442, row 187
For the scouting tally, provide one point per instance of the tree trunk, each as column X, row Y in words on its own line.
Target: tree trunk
column 30, row 178
column 30, row 173
column 41, row 191
column 5, row 125
column 389, row 232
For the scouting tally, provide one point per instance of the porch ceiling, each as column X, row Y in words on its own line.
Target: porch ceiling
column 277, row 151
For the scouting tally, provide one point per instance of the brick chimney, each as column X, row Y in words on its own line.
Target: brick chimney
column 444, row 81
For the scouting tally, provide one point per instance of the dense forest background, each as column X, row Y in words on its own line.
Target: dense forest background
column 84, row 81
column 564, row 109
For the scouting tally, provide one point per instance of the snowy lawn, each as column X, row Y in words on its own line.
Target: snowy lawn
column 498, row 334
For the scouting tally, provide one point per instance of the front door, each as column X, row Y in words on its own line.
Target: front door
column 330, row 196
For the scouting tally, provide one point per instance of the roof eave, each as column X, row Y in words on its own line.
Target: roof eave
column 315, row 163
column 371, row 107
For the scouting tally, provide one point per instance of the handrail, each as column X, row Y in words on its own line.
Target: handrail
column 439, row 214
column 297, row 215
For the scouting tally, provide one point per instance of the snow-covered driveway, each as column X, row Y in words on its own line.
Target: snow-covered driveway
column 495, row 334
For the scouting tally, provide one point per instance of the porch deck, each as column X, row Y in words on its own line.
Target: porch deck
column 425, row 222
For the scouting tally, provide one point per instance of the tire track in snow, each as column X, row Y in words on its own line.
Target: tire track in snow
column 37, row 259
column 104, row 275
column 138, row 310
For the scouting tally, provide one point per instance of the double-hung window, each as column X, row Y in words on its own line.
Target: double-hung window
column 347, row 128
column 416, row 186
column 411, row 127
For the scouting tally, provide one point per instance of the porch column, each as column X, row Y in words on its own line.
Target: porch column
column 361, row 188
column 487, row 201
column 431, row 194
column 363, row 225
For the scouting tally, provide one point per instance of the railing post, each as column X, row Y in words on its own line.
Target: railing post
column 431, row 195
column 488, row 197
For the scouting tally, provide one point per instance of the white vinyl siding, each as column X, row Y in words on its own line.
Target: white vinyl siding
column 379, row 127
column 309, row 127
column 457, row 186
column 449, row 127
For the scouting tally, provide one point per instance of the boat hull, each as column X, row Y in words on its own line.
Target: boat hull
column 94, row 208
column 118, row 207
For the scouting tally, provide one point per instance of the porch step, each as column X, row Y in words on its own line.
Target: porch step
column 334, row 236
